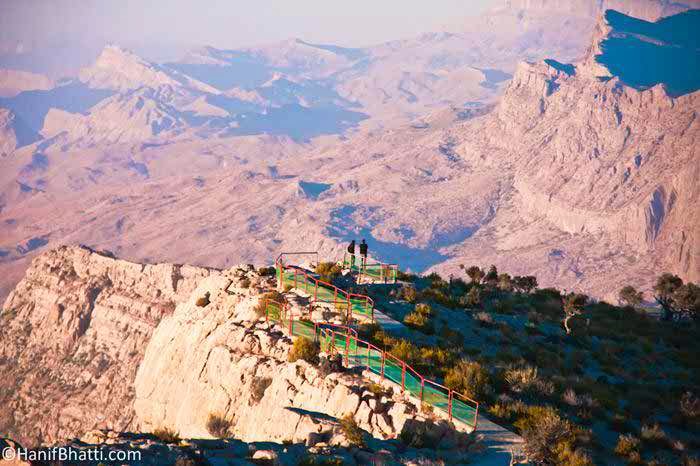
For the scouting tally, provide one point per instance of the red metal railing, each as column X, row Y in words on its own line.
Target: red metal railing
column 287, row 317
column 362, row 353
column 312, row 285
column 388, row 273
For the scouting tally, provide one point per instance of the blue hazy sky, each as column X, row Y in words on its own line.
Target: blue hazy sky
column 225, row 23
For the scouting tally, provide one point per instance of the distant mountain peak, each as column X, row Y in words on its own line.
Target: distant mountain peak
column 119, row 69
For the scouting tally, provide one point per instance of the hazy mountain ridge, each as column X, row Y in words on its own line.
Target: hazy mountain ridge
column 468, row 175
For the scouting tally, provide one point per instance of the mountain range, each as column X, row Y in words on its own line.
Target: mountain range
column 451, row 147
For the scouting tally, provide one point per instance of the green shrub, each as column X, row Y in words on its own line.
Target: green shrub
column 304, row 349
column 167, row 435
column 351, row 430
column 328, row 271
column 218, row 426
column 469, row 378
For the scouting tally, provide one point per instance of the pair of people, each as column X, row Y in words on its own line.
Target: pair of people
column 363, row 253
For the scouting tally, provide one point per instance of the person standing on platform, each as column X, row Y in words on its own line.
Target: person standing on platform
column 351, row 251
column 363, row 254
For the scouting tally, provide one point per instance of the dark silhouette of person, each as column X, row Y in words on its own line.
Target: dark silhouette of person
column 363, row 252
column 351, row 251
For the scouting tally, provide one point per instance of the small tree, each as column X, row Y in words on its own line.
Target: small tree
column 573, row 306
column 474, row 273
column 666, row 286
column 629, row 296
column 676, row 298
column 525, row 284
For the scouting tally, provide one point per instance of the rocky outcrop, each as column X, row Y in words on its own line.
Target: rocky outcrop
column 211, row 360
column 94, row 342
column 74, row 332
column 8, row 137
column 598, row 167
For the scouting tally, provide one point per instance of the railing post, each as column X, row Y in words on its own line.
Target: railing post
column 422, row 386
column 347, row 349
column 476, row 416
column 403, row 376
column 449, row 404
column 316, row 291
column 369, row 351
column 295, row 278
column 383, row 360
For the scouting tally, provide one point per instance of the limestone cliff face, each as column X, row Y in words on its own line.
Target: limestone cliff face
column 595, row 156
column 73, row 335
column 208, row 360
column 93, row 342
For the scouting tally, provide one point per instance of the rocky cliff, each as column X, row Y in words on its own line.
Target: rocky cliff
column 93, row 342
column 74, row 333
column 214, row 360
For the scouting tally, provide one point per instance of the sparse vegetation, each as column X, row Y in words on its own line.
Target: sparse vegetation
column 304, row 349
column 419, row 319
column 258, row 387
column 328, row 271
column 218, row 426
column 537, row 357
column 469, row 378
column 203, row 301
column 167, row 435
column 352, row 430
column 267, row 271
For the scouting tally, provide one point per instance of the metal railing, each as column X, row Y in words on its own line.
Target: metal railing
column 343, row 340
column 351, row 303
column 386, row 273
column 361, row 353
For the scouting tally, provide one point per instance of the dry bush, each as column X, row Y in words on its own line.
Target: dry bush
column 328, row 271
column 654, row 435
column 304, row 349
column 547, row 437
column 627, row 445
column 521, row 379
column 352, row 430
column 167, row 435
column 469, row 378
column 690, row 406
column 218, row 426
column 484, row 319
column 420, row 319
column 203, row 301
column 258, row 387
